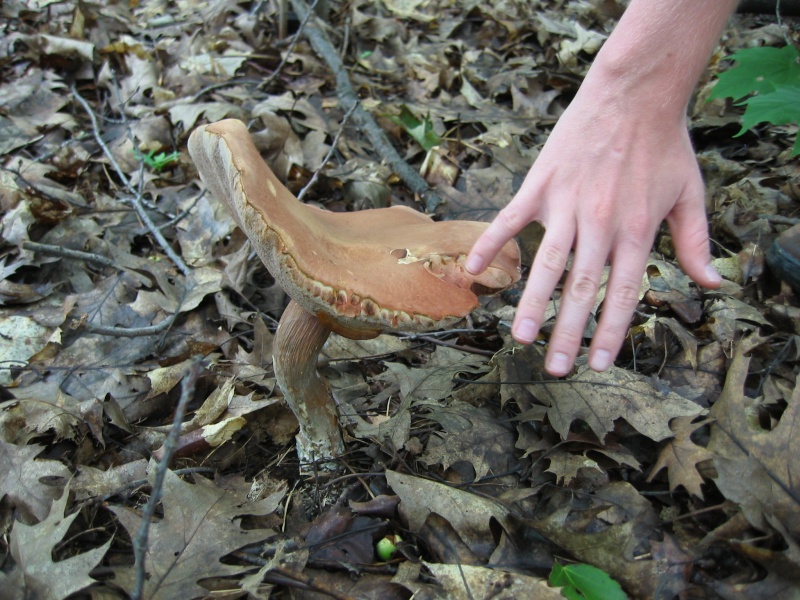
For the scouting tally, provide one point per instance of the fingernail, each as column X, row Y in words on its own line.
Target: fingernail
column 526, row 331
column 712, row 275
column 558, row 364
column 600, row 360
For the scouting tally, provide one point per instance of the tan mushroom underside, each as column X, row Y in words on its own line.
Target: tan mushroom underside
column 359, row 272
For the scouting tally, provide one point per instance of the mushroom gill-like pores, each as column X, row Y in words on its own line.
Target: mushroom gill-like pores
column 356, row 273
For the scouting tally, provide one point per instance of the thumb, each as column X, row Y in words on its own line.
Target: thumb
column 689, row 226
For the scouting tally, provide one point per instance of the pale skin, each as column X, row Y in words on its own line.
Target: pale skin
column 617, row 164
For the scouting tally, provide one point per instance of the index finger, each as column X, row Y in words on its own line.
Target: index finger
column 508, row 223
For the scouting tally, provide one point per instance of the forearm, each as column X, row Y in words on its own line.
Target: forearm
column 658, row 51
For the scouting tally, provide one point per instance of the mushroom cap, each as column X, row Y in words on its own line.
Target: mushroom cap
column 360, row 273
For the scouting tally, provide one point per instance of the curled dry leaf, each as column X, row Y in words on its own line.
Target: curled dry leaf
column 36, row 574
column 755, row 466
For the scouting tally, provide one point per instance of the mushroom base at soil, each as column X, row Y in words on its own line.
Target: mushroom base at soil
column 295, row 349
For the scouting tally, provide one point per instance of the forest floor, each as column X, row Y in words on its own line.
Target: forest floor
column 674, row 472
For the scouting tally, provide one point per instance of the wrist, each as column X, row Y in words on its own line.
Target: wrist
column 657, row 53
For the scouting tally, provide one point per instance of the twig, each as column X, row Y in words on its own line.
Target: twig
column 781, row 220
column 130, row 332
column 140, row 542
column 325, row 160
column 60, row 251
column 283, row 575
column 136, row 200
column 100, row 142
column 348, row 97
column 183, row 214
column 290, row 49
column 51, row 250
column 468, row 349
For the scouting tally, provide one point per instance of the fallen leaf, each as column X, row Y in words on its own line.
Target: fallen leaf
column 21, row 477
column 599, row 399
column 467, row 581
column 197, row 530
column 565, row 466
column 754, row 465
column 471, row 434
column 608, row 540
column 434, row 379
column 680, row 456
column 36, row 574
column 468, row 514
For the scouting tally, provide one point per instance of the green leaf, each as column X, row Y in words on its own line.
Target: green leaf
column 758, row 70
column 158, row 161
column 422, row 131
column 779, row 108
column 585, row 582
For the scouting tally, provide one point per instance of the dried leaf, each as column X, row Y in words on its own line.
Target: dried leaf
column 565, row 466
column 754, row 465
column 32, row 547
column 680, row 455
column 197, row 530
column 21, row 478
column 472, row 434
column 599, row 399
column 469, row 514
column 434, row 379
column 608, row 541
column 467, row 581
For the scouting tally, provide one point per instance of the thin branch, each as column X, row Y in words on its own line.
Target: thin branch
column 183, row 214
column 289, row 50
column 335, row 142
column 100, row 142
column 61, row 252
column 159, row 327
column 165, row 246
column 51, row 250
column 461, row 347
column 140, row 542
column 136, row 200
column 348, row 97
column 780, row 219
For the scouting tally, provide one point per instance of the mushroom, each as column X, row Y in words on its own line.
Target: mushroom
column 357, row 273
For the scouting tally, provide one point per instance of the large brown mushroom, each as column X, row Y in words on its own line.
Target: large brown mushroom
column 357, row 273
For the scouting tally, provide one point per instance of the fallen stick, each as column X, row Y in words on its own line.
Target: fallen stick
column 348, row 98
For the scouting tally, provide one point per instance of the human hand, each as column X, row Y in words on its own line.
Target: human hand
column 612, row 170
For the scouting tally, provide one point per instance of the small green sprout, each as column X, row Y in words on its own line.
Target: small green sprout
column 421, row 130
column 156, row 162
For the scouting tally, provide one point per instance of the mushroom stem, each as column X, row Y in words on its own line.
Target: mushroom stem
column 296, row 346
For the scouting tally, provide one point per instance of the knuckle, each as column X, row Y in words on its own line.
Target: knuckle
column 625, row 295
column 512, row 219
column 552, row 258
column 534, row 305
column 567, row 339
column 583, row 288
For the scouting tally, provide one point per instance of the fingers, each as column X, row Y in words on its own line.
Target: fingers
column 622, row 297
column 546, row 271
column 508, row 223
column 580, row 293
column 689, row 226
